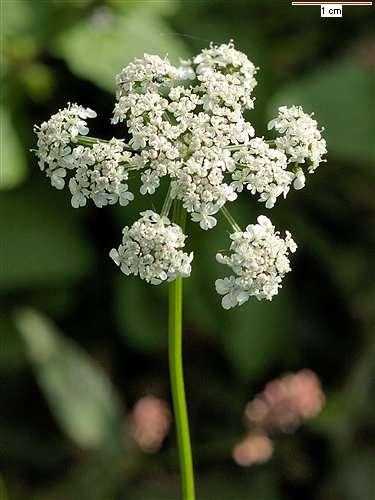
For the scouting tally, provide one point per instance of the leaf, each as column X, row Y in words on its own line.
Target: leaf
column 17, row 17
column 78, row 392
column 97, row 49
column 254, row 334
column 165, row 7
column 41, row 243
column 340, row 95
column 13, row 163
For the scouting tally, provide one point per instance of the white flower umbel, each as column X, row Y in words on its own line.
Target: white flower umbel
column 98, row 170
column 187, row 124
column 299, row 138
column 152, row 249
column 101, row 174
column 262, row 170
column 227, row 79
column 146, row 74
column 259, row 259
column 182, row 120
column 55, row 138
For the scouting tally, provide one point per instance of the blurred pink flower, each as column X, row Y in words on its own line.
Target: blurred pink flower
column 286, row 401
column 256, row 448
column 150, row 422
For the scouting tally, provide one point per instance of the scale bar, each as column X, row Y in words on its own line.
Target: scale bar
column 331, row 3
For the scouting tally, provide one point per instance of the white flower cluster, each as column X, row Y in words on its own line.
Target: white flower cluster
column 227, row 80
column 263, row 170
column 182, row 120
column 99, row 169
column 187, row 124
column 100, row 174
column 259, row 259
column 152, row 249
column 55, row 137
column 300, row 139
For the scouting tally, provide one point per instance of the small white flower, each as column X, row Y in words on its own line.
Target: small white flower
column 205, row 217
column 124, row 196
column 150, row 182
column 87, row 113
column 78, row 197
column 57, row 178
column 299, row 180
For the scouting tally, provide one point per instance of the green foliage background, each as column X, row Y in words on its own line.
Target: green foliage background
column 80, row 343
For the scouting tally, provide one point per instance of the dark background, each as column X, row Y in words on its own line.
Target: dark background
column 65, row 393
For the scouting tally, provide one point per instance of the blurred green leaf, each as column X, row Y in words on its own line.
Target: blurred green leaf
column 39, row 81
column 77, row 391
column 98, row 47
column 256, row 333
column 13, row 163
column 340, row 95
column 17, row 17
column 139, row 313
column 41, row 243
column 165, row 6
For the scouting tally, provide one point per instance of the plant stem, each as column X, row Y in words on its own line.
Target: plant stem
column 238, row 147
column 177, row 376
column 86, row 140
column 167, row 202
column 231, row 221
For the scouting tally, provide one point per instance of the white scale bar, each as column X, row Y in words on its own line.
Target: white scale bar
column 331, row 3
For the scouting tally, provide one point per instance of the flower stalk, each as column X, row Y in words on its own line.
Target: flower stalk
column 177, row 376
column 231, row 221
column 86, row 140
column 167, row 202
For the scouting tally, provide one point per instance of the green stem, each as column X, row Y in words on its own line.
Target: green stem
column 177, row 376
column 167, row 202
column 86, row 140
column 231, row 221
column 237, row 147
